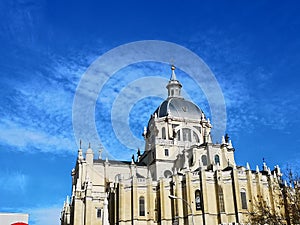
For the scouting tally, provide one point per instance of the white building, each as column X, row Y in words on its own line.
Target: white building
column 13, row 219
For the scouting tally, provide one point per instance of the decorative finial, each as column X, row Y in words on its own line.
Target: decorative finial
column 230, row 144
column 226, row 138
column 257, row 169
column 80, row 143
column 265, row 168
column 173, row 77
column 223, row 140
column 278, row 170
column 247, row 166
column 100, row 152
column 89, row 144
column 269, row 171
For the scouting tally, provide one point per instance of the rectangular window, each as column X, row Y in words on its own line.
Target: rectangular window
column 166, row 152
column 186, row 134
column 98, row 213
column 244, row 200
column 221, row 199
column 178, row 135
column 198, row 200
column 222, row 206
column 142, row 206
column 163, row 133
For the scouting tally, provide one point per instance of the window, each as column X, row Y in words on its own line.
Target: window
column 198, row 199
column 204, row 160
column 221, row 199
column 167, row 173
column 155, row 210
column 244, row 199
column 195, row 137
column 217, row 159
column 163, row 133
column 186, row 133
column 142, row 206
column 178, row 135
column 166, row 152
column 98, row 213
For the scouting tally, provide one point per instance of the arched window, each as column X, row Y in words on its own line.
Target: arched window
column 142, row 206
column 217, row 159
column 163, row 133
column 204, row 160
column 244, row 199
column 221, row 199
column 198, row 199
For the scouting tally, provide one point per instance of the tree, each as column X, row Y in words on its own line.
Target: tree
column 263, row 214
column 287, row 205
column 291, row 192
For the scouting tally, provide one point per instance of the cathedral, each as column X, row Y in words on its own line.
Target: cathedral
column 182, row 177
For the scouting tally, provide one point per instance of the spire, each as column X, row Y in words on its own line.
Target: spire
column 173, row 77
column 247, row 166
column 174, row 86
column 67, row 200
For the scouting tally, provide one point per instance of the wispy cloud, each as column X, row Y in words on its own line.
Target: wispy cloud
column 40, row 215
column 36, row 115
column 244, row 82
column 30, row 140
column 13, row 181
column 49, row 215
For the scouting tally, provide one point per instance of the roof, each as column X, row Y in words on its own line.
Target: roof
column 179, row 107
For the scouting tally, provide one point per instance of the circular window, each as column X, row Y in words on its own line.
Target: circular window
column 167, row 173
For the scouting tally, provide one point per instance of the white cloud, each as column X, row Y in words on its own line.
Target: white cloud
column 15, row 135
column 45, row 216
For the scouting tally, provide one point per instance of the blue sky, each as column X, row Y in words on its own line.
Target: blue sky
column 252, row 48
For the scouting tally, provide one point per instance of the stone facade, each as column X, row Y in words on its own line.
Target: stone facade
column 182, row 177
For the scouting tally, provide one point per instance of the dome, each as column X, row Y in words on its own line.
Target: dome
column 175, row 105
column 179, row 107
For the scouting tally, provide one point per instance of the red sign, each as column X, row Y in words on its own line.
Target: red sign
column 19, row 223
